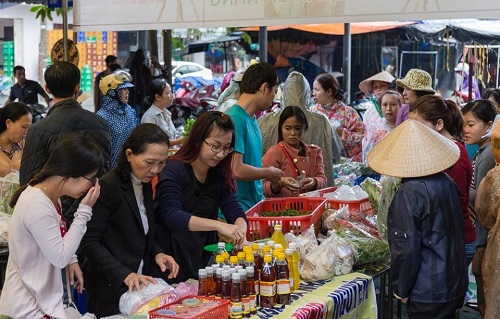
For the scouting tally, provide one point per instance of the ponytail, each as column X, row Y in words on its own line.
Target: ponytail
column 38, row 178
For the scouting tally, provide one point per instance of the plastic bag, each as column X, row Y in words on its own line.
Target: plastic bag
column 8, row 186
column 374, row 190
column 149, row 297
column 345, row 192
column 333, row 257
column 306, row 242
column 4, row 229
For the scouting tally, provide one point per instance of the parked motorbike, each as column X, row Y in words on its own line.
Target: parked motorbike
column 192, row 103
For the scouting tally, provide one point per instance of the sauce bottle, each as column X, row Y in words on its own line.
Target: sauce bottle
column 289, row 261
column 283, row 281
column 278, row 236
column 252, row 295
column 210, row 281
column 268, row 283
column 226, row 285
column 235, row 308
column 245, row 299
column 295, row 260
column 218, row 283
column 202, row 282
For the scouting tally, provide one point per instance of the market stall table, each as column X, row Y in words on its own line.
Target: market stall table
column 347, row 296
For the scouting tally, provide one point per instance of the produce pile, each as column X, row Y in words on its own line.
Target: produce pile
column 285, row 213
column 188, row 126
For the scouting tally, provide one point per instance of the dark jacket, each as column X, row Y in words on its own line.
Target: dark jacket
column 426, row 238
column 115, row 243
column 64, row 117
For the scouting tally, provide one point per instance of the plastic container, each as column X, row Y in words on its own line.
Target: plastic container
column 218, row 311
column 263, row 227
column 354, row 206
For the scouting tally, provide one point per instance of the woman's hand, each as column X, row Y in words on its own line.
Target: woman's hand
column 165, row 262
column 76, row 277
column 135, row 280
column 92, row 195
column 234, row 232
column 290, row 183
column 309, row 184
column 16, row 160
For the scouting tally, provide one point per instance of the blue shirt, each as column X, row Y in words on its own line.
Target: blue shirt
column 122, row 120
column 249, row 144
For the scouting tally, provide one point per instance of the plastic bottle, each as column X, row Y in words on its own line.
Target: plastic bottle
column 278, row 236
column 252, row 294
column 218, row 283
column 233, row 261
column 221, row 247
column 210, row 281
column 245, row 299
column 295, row 266
column 235, row 308
column 289, row 260
column 226, row 285
column 202, row 282
column 283, row 281
column 268, row 283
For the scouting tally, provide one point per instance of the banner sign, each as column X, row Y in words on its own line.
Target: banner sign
column 95, row 15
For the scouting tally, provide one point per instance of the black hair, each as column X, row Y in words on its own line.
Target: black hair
column 62, row 77
column 155, row 86
column 12, row 111
column 75, row 155
column 494, row 93
column 18, row 67
column 482, row 109
column 114, row 67
column 138, row 141
column 329, row 82
column 110, row 59
column 288, row 112
column 256, row 75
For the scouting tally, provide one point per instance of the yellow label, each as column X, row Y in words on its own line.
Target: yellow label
column 283, row 286
column 245, row 305
column 253, row 302
column 235, row 310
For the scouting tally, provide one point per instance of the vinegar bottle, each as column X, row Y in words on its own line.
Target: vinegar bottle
column 235, row 308
column 283, row 280
column 252, row 295
column 210, row 281
column 267, row 283
column 278, row 236
column 226, row 285
column 218, row 283
column 202, row 282
column 245, row 299
column 295, row 261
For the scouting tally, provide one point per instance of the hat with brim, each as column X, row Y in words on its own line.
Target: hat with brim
column 125, row 85
column 417, row 80
column 413, row 150
column 367, row 85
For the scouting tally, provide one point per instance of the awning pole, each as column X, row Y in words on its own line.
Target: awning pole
column 65, row 29
column 263, row 44
column 347, row 62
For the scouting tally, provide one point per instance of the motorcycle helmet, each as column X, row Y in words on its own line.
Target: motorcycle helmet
column 115, row 81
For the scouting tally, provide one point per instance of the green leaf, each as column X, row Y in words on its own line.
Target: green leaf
column 49, row 14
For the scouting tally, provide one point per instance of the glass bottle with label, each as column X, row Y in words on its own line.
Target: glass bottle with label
column 252, row 295
column 226, row 285
column 218, row 283
column 245, row 299
column 283, row 280
column 235, row 308
column 202, row 282
column 268, row 283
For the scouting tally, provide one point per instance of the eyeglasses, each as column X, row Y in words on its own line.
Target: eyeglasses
column 217, row 148
column 91, row 180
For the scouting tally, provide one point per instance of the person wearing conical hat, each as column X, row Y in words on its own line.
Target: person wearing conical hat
column 416, row 83
column 425, row 221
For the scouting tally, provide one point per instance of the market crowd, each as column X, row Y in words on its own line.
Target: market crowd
column 102, row 199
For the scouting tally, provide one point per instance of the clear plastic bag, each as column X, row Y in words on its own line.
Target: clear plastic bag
column 4, row 229
column 149, row 297
column 8, row 186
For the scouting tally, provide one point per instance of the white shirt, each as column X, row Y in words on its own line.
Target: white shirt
column 162, row 118
column 37, row 253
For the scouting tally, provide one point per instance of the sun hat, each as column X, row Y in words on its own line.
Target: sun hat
column 417, row 80
column 413, row 150
column 367, row 85
column 462, row 67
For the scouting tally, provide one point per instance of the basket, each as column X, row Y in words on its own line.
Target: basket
column 263, row 227
column 354, row 206
column 221, row 311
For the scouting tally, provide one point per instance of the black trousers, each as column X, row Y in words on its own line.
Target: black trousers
column 418, row 310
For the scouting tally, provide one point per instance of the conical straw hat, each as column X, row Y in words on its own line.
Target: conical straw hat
column 413, row 150
column 367, row 85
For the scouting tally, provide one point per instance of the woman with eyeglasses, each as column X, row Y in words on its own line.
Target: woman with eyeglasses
column 120, row 245
column 40, row 241
column 196, row 182
column 302, row 164
column 159, row 98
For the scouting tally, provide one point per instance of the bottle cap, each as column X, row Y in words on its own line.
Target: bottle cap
column 238, row 268
column 235, row 276
column 281, row 256
column 255, row 246
column 226, row 273
column 261, row 246
column 218, row 271
column 243, row 273
column 249, row 258
column 221, row 245
column 219, row 259
column 268, row 258
column 226, row 267
column 241, row 255
column 276, row 246
column 270, row 243
column 210, row 270
column 278, row 227
column 292, row 245
column 202, row 272
column 266, row 248
column 225, row 254
column 233, row 260
column 250, row 271
column 288, row 251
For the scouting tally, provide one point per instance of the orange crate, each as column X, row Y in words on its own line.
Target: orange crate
column 221, row 311
column 354, row 206
column 263, row 227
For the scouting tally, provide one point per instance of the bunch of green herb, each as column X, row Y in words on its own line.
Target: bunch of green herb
column 366, row 248
column 285, row 212
column 188, row 126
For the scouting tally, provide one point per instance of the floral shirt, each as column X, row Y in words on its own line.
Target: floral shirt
column 350, row 122
column 375, row 135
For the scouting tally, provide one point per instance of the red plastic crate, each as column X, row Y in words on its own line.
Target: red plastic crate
column 354, row 206
column 263, row 227
column 221, row 311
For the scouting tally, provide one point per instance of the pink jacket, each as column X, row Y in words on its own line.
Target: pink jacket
column 311, row 164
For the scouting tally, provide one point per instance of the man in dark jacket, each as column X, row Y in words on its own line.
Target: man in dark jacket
column 66, row 116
